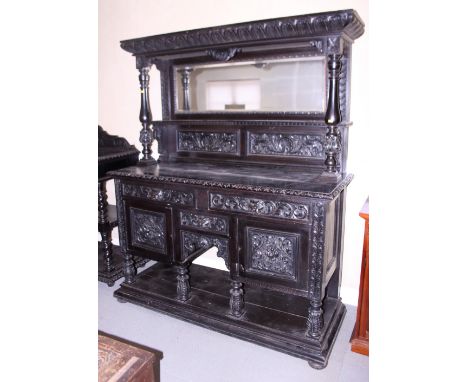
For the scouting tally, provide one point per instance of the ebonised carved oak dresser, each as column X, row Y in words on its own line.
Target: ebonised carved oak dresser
column 252, row 160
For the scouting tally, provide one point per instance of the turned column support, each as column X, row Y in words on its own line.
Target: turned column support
column 104, row 228
column 185, row 78
column 236, row 301
column 333, row 115
column 315, row 319
column 183, row 283
column 146, row 118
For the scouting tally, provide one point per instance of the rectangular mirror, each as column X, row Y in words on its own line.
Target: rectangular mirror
column 270, row 85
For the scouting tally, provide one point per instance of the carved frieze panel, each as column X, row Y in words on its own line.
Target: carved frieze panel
column 204, row 222
column 207, row 142
column 193, row 242
column 299, row 145
column 272, row 252
column 259, row 207
column 148, row 229
column 159, row 194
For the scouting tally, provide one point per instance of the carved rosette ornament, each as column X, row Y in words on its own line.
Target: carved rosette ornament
column 146, row 135
column 236, row 302
column 333, row 115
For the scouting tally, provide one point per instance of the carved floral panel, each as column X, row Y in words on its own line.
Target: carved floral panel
column 272, row 252
column 300, row 145
column 158, row 194
column 261, row 207
column 148, row 229
column 207, row 142
column 205, row 222
column 193, row 242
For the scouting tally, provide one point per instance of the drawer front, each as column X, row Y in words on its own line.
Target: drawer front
column 273, row 253
column 204, row 222
column 260, row 207
column 159, row 194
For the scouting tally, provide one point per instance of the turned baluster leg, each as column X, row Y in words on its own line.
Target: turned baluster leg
column 183, row 284
column 103, row 223
column 146, row 134
column 315, row 319
column 333, row 115
column 236, row 302
column 185, row 78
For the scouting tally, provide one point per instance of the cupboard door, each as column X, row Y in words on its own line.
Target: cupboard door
column 149, row 231
column 273, row 254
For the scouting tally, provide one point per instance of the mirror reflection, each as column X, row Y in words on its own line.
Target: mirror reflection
column 291, row 84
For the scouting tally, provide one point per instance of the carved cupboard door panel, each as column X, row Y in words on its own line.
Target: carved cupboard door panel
column 273, row 253
column 150, row 230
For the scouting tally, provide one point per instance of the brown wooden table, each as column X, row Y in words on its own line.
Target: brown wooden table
column 360, row 336
column 124, row 361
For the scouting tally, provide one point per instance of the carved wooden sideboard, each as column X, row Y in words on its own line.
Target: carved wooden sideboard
column 252, row 160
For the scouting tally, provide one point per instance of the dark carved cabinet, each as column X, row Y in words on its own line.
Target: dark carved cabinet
column 252, row 160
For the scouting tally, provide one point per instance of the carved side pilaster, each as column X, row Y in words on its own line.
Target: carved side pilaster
column 104, row 229
column 333, row 115
column 315, row 314
column 236, row 301
column 183, row 284
column 129, row 265
column 146, row 134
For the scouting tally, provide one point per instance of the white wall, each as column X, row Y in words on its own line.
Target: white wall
column 119, row 96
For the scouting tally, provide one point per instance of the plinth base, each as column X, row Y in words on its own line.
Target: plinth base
column 271, row 319
column 110, row 277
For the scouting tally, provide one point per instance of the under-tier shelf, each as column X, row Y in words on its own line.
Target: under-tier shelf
column 272, row 319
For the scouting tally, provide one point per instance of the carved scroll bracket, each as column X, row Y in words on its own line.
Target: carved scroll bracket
column 223, row 54
column 143, row 62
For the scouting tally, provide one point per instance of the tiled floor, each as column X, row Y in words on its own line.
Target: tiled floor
column 192, row 353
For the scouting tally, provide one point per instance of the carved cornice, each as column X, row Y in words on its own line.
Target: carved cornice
column 347, row 22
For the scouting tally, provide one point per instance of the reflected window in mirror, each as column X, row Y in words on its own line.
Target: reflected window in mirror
column 270, row 85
